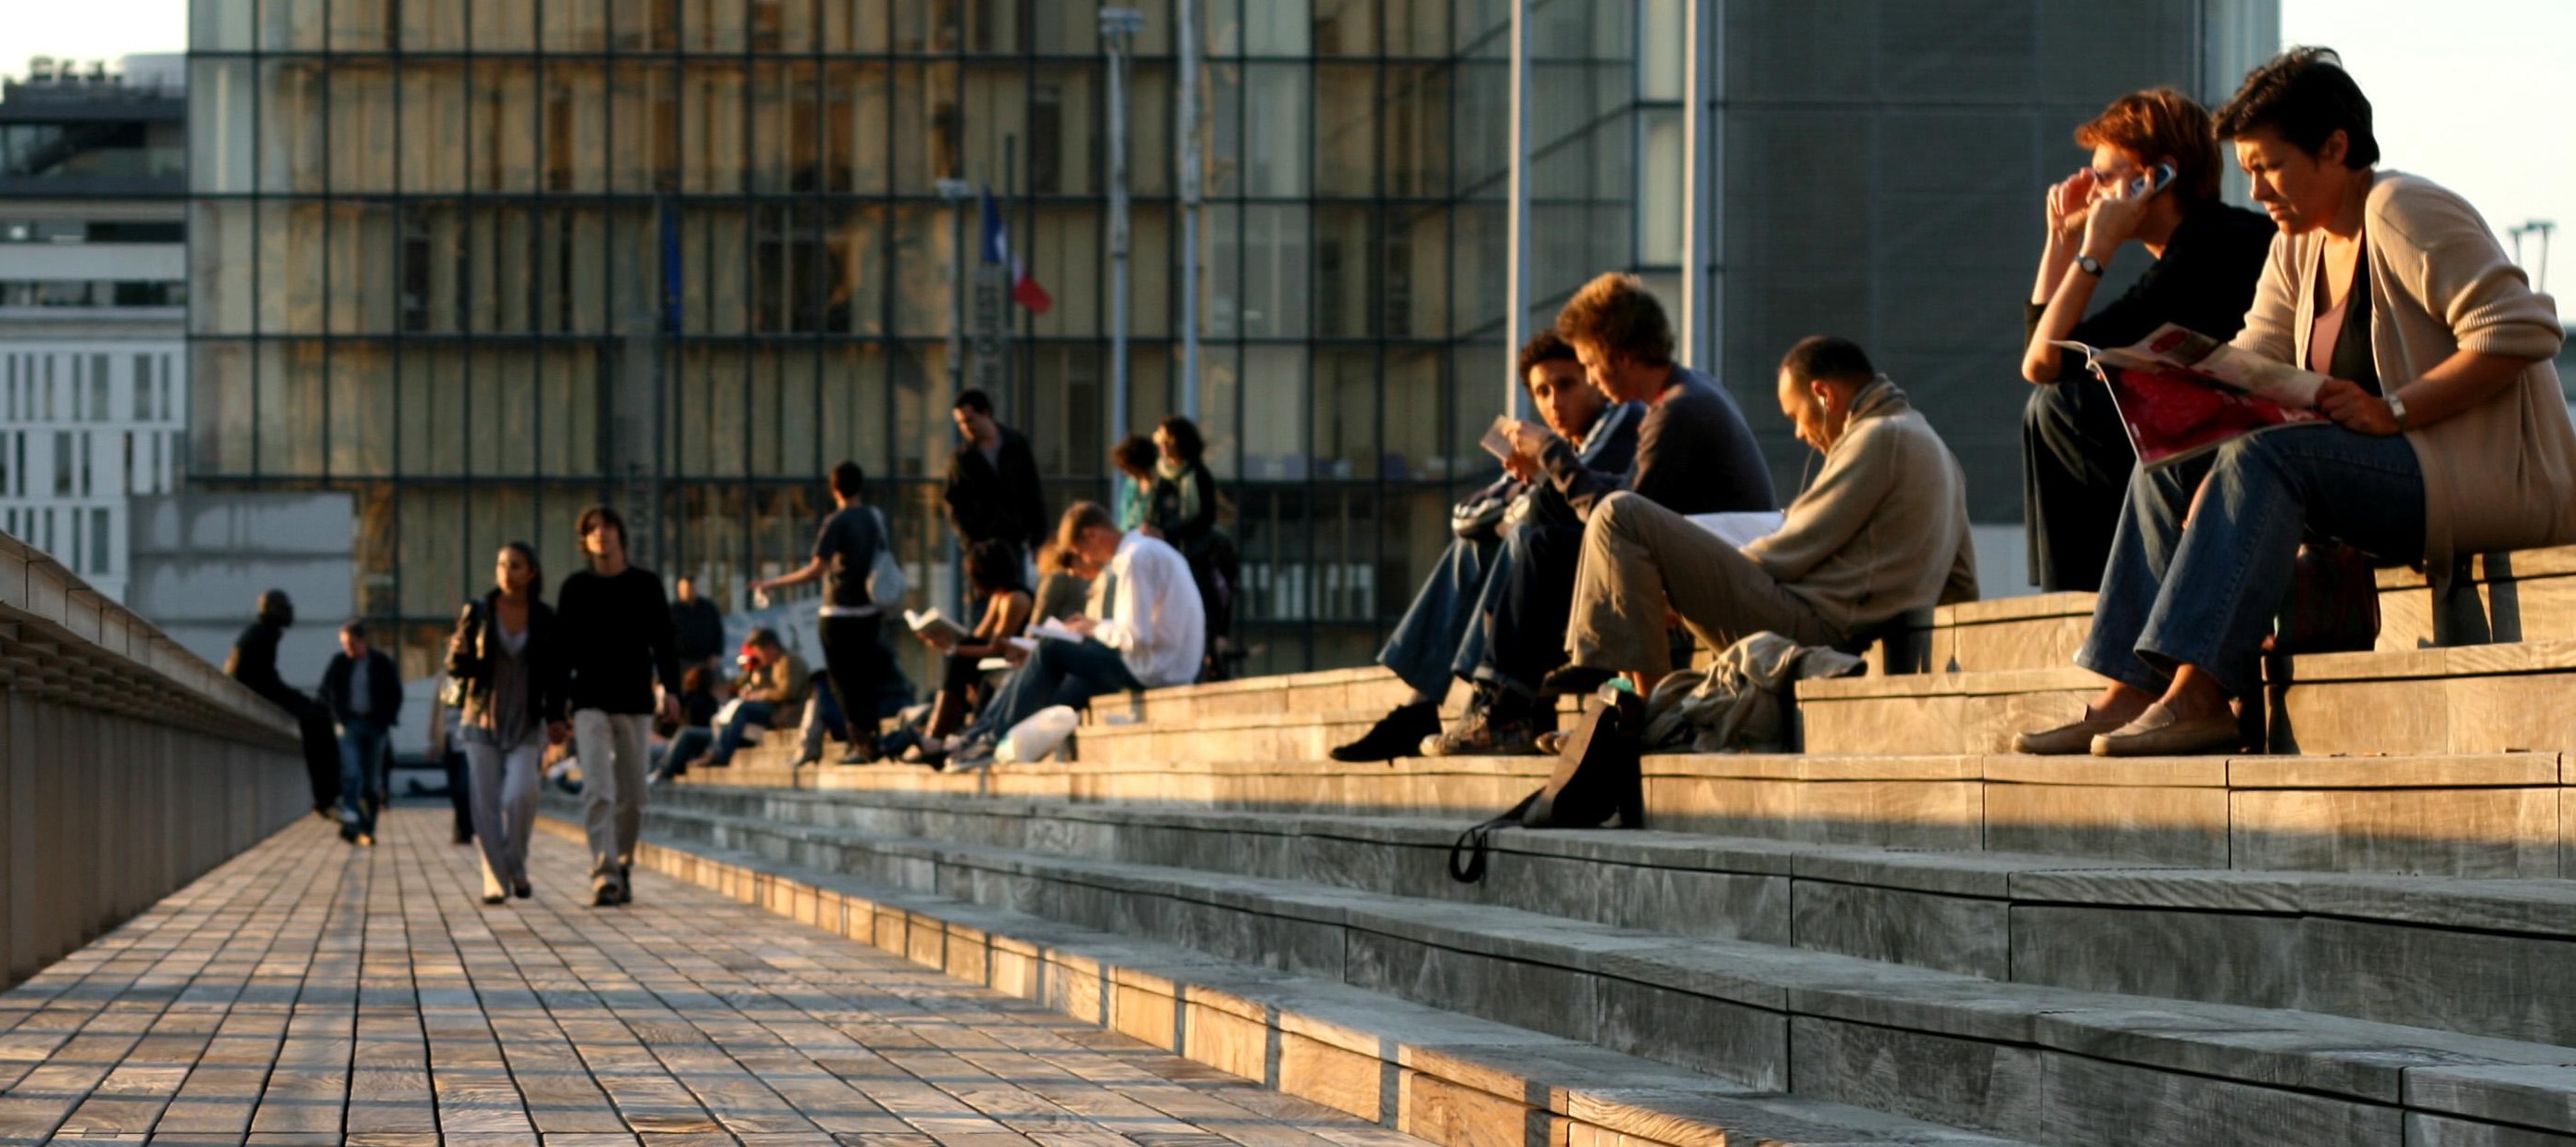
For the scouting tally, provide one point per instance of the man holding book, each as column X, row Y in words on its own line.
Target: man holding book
column 1143, row 628
column 1883, row 530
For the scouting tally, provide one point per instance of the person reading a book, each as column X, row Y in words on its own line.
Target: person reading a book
column 1883, row 530
column 2153, row 181
column 1437, row 638
column 993, row 569
column 2448, row 433
column 1143, row 628
column 1695, row 455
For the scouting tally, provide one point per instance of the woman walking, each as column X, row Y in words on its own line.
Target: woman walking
column 505, row 654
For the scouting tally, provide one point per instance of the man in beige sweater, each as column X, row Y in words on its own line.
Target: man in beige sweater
column 1883, row 530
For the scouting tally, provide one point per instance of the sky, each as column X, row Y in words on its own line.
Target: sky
column 2474, row 94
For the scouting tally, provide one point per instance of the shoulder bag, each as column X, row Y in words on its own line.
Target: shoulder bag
column 1597, row 777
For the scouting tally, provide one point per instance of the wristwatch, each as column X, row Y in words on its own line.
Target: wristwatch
column 2397, row 410
column 2089, row 265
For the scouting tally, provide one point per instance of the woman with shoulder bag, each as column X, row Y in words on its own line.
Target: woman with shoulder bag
column 505, row 658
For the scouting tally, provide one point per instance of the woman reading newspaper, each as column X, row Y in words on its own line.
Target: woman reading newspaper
column 2444, row 430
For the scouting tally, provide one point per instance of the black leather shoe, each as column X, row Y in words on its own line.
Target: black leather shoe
column 1398, row 734
column 522, row 890
column 1574, row 681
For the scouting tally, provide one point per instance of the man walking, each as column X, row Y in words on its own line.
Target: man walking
column 993, row 490
column 618, row 644
column 364, row 692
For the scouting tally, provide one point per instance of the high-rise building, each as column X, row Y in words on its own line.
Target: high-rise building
column 483, row 262
column 93, row 295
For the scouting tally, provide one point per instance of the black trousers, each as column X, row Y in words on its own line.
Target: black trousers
column 321, row 754
column 850, row 652
column 1525, row 635
column 2075, row 464
column 460, row 791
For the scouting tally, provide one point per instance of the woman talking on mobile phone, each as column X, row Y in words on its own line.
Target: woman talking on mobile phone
column 2153, row 181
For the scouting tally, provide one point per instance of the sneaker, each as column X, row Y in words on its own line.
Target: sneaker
column 972, row 755
column 603, row 894
column 1502, row 727
column 1574, row 681
column 1398, row 734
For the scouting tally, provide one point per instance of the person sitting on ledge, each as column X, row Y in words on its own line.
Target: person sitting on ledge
column 1143, row 629
column 2448, row 431
column 2075, row 451
column 1883, row 530
column 771, row 694
column 1438, row 637
column 1695, row 455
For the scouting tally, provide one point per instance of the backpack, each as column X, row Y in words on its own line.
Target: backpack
column 1597, row 777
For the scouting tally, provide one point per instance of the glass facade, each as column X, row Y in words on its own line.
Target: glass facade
column 483, row 262
column 435, row 245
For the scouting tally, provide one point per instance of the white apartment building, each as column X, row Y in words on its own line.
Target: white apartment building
column 93, row 306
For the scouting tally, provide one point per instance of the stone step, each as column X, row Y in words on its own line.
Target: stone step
column 2044, row 1064
column 2491, row 816
column 1449, row 1079
column 2529, row 595
column 2469, row 699
column 2368, row 947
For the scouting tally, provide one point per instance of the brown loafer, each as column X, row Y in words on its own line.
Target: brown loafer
column 2065, row 740
column 2158, row 733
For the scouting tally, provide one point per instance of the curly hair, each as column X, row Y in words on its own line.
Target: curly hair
column 1616, row 313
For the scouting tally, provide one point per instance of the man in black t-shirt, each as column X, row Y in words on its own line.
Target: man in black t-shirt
column 993, row 490
column 845, row 552
column 618, row 644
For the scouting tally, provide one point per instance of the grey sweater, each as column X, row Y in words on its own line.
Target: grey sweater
column 1695, row 455
column 1884, row 529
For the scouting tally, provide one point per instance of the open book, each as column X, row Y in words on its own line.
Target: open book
column 932, row 624
column 1051, row 629
column 2182, row 394
column 1741, row 529
column 1498, row 438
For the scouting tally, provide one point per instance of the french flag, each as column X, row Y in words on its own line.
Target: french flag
column 997, row 251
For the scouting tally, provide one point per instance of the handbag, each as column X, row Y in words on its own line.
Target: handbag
column 2333, row 606
column 887, row 585
column 456, row 688
column 1598, row 776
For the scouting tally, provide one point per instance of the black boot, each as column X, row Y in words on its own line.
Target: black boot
column 1398, row 734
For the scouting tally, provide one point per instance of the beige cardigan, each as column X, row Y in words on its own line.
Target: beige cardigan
column 2500, row 475
column 1884, row 529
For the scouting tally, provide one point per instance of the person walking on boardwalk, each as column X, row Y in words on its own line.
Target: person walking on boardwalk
column 617, row 644
column 845, row 550
column 364, row 691
column 253, row 662
column 507, row 652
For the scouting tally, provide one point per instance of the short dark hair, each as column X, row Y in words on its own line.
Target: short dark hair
column 2304, row 95
column 993, row 564
column 848, row 480
column 1186, row 440
column 1135, row 454
column 1827, row 356
column 764, row 637
column 1617, row 313
column 354, row 628
column 975, row 400
column 1545, row 346
column 601, row 518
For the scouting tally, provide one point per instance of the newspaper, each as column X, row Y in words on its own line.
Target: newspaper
column 2182, row 393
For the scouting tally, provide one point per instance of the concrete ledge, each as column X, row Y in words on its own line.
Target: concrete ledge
column 1906, row 1041
column 1450, row 1079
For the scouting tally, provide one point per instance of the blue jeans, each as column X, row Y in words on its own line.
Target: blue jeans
column 2205, row 594
column 1059, row 673
column 731, row 734
column 362, row 742
column 684, row 746
column 1423, row 650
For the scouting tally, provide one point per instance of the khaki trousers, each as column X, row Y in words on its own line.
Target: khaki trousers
column 1640, row 559
column 613, row 764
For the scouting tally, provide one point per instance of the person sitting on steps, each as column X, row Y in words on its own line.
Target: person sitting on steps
column 2448, row 433
column 1439, row 637
column 1695, row 455
column 1883, row 530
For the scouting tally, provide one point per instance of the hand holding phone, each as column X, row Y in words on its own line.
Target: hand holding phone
column 2152, row 182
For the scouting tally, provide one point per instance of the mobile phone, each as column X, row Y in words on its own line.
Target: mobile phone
column 2163, row 176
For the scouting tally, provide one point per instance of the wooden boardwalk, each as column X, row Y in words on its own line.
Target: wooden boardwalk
column 307, row 992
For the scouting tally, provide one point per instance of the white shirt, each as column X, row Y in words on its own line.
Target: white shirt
column 1154, row 619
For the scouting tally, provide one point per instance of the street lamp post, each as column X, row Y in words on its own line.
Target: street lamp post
column 1118, row 28
column 2542, row 228
column 956, row 192
column 1188, row 133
